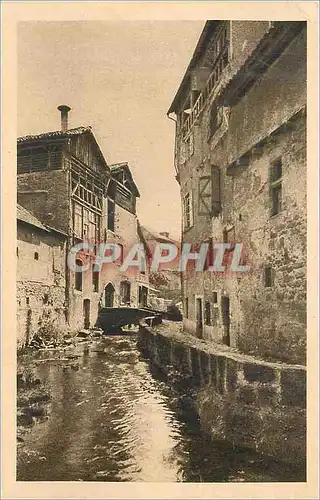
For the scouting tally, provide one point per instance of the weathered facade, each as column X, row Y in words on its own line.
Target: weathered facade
column 41, row 283
column 64, row 181
column 240, row 160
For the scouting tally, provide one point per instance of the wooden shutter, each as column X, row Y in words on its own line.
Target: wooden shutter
column 205, row 195
column 216, row 201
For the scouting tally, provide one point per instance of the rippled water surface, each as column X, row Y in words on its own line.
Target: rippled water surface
column 111, row 419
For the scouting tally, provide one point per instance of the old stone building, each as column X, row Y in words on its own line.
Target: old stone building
column 65, row 182
column 240, row 160
column 41, row 283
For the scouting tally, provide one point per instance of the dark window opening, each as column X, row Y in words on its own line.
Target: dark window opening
column 275, row 175
column 78, row 276
column 276, row 170
column 207, row 313
column 111, row 214
column 215, row 297
column 27, row 301
column 268, row 277
column 143, row 296
column 276, row 198
column 109, row 292
column 17, row 252
column 186, row 307
column 95, row 279
column 45, row 298
column 36, row 256
column 125, row 292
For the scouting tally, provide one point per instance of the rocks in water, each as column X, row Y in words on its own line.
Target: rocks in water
column 84, row 334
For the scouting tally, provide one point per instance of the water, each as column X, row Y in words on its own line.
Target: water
column 112, row 419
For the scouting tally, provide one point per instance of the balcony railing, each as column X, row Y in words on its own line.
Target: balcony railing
column 212, row 82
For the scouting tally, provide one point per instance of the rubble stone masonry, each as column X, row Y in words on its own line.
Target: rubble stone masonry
column 239, row 398
column 264, row 126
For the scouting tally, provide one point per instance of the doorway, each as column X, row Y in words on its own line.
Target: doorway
column 225, row 309
column 143, row 296
column 86, row 313
column 199, row 322
column 109, row 295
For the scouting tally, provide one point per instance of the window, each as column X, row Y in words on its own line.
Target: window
column 186, row 307
column 188, row 210
column 207, row 313
column 17, row 252
column 275, row 174
column 215, row 298
column 36, row 256
column 78, row 276
column 268, row 277
column 125, row 292
column 77, row 225
column 95, row 279
column 218, row 55
column 27, row 301
column 111, row 214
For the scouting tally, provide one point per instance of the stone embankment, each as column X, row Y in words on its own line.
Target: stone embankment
column 246, row 401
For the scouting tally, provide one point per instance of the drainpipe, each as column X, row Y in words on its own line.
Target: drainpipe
column 175, row 144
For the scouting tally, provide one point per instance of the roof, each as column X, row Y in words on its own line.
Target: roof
column 54, row 134
column 205, row 36
column 124, row 167
column 59, row 134
column 149, row 234
column 27, row 217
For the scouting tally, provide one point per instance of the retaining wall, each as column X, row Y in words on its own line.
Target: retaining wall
column 249, row 402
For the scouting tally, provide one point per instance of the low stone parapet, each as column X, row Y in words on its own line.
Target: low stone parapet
column 244, row 400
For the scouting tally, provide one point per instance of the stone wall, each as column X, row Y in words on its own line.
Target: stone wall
column 239, row 398
column 46, row 195
column 41, row 261
column 268, row 122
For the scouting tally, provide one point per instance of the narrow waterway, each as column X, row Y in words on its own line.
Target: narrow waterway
column 112, row 419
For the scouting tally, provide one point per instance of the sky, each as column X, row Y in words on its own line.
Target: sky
column 120, row 78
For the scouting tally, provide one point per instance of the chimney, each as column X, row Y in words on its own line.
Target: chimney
column 164, row 233
column 64, row 117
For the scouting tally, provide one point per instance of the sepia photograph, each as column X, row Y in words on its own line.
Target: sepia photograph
column 161, row 250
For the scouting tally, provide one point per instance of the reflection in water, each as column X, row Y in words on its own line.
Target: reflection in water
column 112, row 420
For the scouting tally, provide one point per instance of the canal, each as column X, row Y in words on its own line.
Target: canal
column 112, row 418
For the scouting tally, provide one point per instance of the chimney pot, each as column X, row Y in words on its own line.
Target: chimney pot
column 64, row 117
